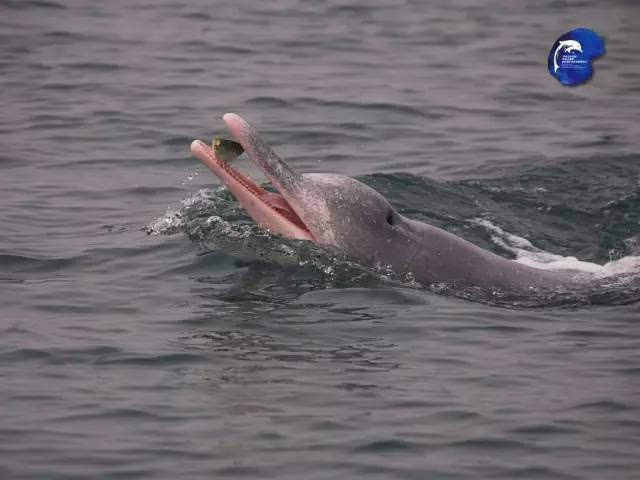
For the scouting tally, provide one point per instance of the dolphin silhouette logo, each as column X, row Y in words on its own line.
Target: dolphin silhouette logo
column 571, row 55
column 565, row 46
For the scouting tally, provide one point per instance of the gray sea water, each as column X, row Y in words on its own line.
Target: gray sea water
column 149, row 330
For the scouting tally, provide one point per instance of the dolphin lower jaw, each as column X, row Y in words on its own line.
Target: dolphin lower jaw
column 269, row 210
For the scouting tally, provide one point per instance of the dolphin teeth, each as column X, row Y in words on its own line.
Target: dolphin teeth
column 226, row 150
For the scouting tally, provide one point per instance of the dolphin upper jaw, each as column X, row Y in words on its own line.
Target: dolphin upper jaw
column 277, row 171
column 300, row 191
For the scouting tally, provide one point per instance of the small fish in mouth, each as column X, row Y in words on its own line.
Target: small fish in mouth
column 226, row 150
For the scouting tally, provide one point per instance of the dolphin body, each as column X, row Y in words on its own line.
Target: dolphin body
column 342, row 212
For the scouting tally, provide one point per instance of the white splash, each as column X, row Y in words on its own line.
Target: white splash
column 532, row 256
column 168, row 224
column 173, row 220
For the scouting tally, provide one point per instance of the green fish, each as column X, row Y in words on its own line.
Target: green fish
column 226, row 150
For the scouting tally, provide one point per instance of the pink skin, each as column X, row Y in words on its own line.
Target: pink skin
column 269, row 210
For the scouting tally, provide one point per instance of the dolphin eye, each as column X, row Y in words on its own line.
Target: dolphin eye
column 390, row 217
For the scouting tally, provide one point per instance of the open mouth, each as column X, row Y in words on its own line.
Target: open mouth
column 269, row 210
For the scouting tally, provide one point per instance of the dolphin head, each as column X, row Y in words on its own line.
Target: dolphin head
column 346, row 213
column 324, row 208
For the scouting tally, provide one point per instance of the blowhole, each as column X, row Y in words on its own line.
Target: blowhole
column 390, row 218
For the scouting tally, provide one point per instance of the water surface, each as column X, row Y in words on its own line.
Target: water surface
column 127, row 355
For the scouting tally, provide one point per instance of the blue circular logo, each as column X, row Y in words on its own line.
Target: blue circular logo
column 571, row 55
